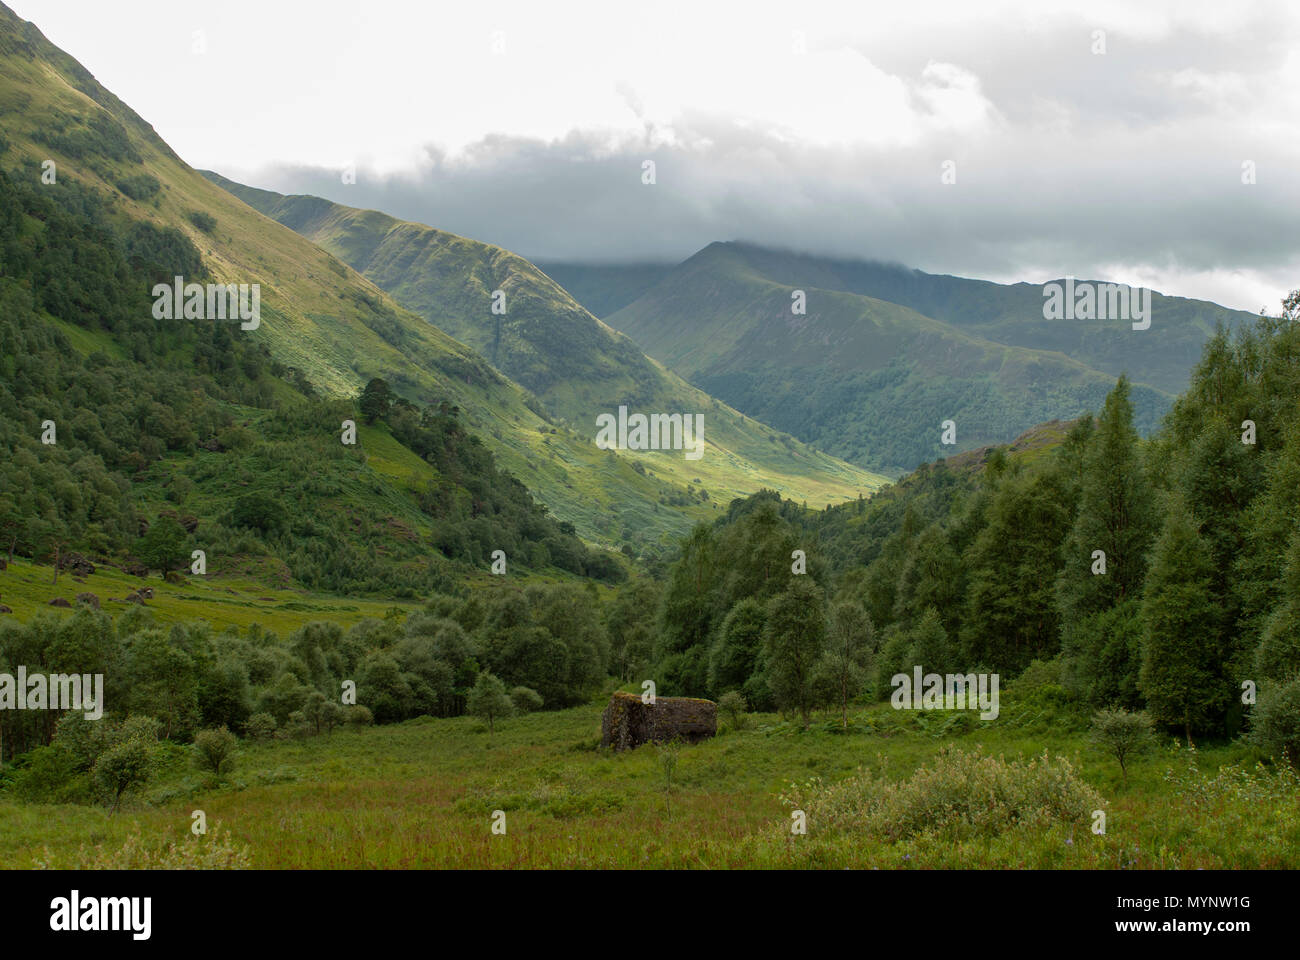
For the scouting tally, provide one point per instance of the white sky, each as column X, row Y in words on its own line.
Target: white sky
column 1068, row 162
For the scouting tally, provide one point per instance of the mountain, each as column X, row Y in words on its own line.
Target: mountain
column 328, row 326
column 1012, row 314
column 545, row 340
column 883, row 355
column 605, row 288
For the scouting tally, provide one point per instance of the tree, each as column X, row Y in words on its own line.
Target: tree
column 1182, row 674
column 376, row 400
column 488, row 700
column 162, row 548
column 687, row 615
column 1123, row 733
column 929, row 648
column 845, row 665
column 733, row 656
column 128, row 761
column 1011, row 613
column 732, row 703
column 1116, row 515
column 163, row 680
column 1278, row 653
column 213, row 749
column 794, row 640
column 1275, row 721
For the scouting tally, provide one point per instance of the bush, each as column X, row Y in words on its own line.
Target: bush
column 1275, row 721
column 526, row 699
column 733, row 705
column 260, row 726
column 48, row 775
column 959, row 793
column 139, row 187
column 296, row 725
column 122, row 767
column 1123, row 734
column 204, row 221
column 359, row 716
column 214, row 750
column 1038, row 676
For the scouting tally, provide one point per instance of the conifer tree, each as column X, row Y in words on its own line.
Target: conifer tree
column 1183, row 663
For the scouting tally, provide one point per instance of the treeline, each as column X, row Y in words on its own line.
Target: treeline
column 157, row 422
column 1161, row 574
column 546, row 645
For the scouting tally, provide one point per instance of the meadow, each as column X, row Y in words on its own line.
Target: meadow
column 422, row 794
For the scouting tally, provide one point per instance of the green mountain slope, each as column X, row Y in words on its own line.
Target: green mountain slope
column 330, row 326
column 605, row 288
column 1162, row 356
column 545, row 340
column 864, row 378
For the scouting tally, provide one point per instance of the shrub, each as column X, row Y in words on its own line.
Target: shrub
column 733, row 705
column 140, row 186
column 260, row 726
column 216, row 851
column 122, row 767
column 1275, row 721
column 296, row 725
column 526, row 699
column 959, row 793
column 1123, row 734
column 359, row 716
column 204, row 221
column 214, row 749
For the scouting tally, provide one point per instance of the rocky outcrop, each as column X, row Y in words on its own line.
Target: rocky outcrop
column 89, row 599
column 628, row 722
column 78, row 564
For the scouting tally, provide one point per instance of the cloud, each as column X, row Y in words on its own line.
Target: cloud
column 818, row 126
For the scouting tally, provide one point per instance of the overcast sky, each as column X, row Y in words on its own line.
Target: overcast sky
column 818, row 127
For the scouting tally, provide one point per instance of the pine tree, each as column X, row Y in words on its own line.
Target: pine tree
column 1117, row 516
column 929, row 644
column 1183, row 673
column 1011, row 615
column 1278, row 654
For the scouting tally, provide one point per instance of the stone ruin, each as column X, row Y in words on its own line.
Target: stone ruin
column 628, row 722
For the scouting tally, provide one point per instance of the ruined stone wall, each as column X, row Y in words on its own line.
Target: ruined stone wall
column 628, row 723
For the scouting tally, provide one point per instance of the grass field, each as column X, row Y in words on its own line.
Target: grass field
column 239, row 600
column 422, row 794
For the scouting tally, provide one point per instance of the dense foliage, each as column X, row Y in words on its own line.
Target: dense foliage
column 157, row 423
column 1156, row 574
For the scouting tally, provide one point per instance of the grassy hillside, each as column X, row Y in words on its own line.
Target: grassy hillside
column 1012, row 314
column 546, row 341
column 863, row 378
column 322, row 320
